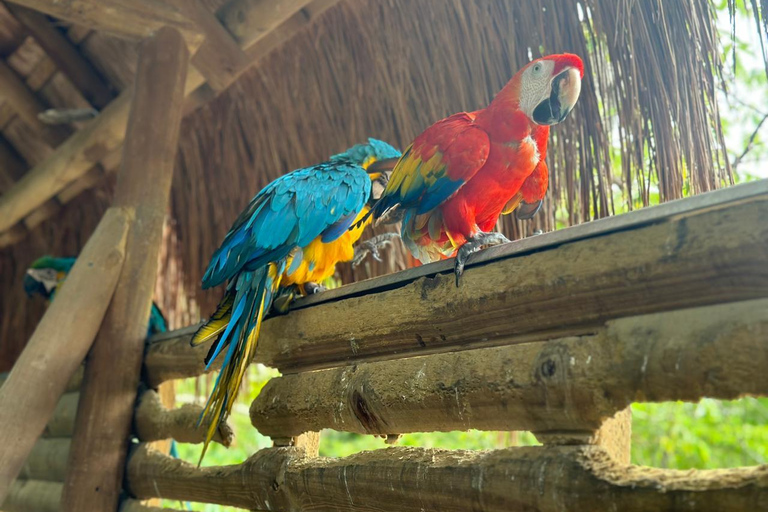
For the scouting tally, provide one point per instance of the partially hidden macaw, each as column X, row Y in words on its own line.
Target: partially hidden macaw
column 461, row 173
column 290, row 236
column 47, row 273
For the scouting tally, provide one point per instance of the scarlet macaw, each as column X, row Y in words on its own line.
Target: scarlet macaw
column 291, row 235
column 461, row 173
column 47, row 273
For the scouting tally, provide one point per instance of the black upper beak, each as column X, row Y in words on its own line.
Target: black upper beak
column 550, row 111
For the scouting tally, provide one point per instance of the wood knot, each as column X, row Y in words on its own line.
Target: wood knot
column 548, row 368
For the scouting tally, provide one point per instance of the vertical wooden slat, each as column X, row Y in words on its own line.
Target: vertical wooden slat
column 99, row 446
column 58, row 345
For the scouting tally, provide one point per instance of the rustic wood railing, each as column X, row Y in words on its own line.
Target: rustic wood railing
column 555, row 334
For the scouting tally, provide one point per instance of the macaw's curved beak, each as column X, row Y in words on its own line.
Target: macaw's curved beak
column 564, row 91
column 526, row 211
column 33, row 286
column 379, row 172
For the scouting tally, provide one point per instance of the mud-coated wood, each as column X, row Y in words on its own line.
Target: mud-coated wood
column 560, row 387
column 568, row 282
column 541, row 479
column 154, row 422
column 112, row 371
column 59, row 344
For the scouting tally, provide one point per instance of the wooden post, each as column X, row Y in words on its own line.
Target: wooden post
column 111, row 381
column 59, row 344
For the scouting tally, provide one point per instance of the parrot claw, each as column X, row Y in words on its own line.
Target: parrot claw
column 372, row 246
column 313, row 288
column 471, row 246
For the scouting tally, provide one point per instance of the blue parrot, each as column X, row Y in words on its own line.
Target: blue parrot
column 290, row 236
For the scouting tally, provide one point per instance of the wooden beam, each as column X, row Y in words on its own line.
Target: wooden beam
column 72, row 385
column 556, row 386
column 105, row 133
column 154, row 422
column 47, row 461
column 567, row 282
column 541, row 479
column 71, row 160
column 219, row 58
column 65, row 55
column 62, row 422
column 112, row 371
column 42, row 496
column 134, row 19
column 33, row 496
column 23, row 101
column 59, row 344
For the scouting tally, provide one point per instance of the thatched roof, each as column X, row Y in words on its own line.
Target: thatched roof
column 389, row 68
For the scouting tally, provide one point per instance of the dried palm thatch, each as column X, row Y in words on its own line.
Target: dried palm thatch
column 647, row 120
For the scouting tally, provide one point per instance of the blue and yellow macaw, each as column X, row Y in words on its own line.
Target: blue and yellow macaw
column 291, row 235
column 48, row 273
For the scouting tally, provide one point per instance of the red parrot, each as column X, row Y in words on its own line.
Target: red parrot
column 461, row 173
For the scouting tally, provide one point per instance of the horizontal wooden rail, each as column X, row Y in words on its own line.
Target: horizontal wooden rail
column 540, row 479
column 154, row 422
column 567, row 384
column 699, row 251
column 47, row 461
column 41, row 496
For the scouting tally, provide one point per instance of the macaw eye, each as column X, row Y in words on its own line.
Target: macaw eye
column 537, row 68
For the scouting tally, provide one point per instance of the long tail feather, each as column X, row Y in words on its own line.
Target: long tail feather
column 254, row 291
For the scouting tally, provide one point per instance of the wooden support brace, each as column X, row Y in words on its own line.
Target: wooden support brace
column 244, row 19
column 399, row 479
column 219, row 58
column 59, row 344
column 65, row 55
column 565, row 388
column 111, row 381
column 704, row 250
column 154, row 422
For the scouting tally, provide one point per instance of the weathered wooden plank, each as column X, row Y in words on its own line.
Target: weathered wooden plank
column 72, row 385
column 555, row 386
column 113, row 368
column 47, row 461
column 66, row 57
column 59, row 344
column 699, row 251
column 541, row 479
column 134, row 19
column 154, row 422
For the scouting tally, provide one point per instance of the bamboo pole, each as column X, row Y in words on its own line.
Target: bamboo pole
column 404, row 479
column 112, row 372
column 59, row 344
